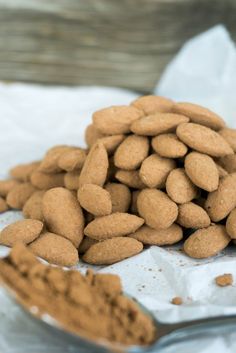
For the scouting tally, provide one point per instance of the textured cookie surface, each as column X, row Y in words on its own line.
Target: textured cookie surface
column 114, row 225
column 168, row 145
column 159, row 237
column 55, row 249
column 155, row 170
column 116, row 119
column 95, row 199
column 179, row 187
column 156, row 208
column 203, row 139
column 202, row 171
column 158, row 123
column 199, row 115
column 131, row 152
column 112, row 250
column 63, row 214
column 206, row 242
column 24, row 231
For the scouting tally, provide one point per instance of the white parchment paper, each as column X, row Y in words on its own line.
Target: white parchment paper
column 33, row 118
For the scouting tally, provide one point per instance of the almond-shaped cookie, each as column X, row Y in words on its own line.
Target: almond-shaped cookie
column 192, row 216
column 206, row 242
column 22, row 172
column 113, row 250
column 18, row 196
column 63, row 214
column 231, row 224
column 221, row 202
column 71, row 180
column 156, row 208
column 230, row 136
column 24, row 231
column 202, row 171
column 72, row 159
column 7, row 185
column 92, row 134
column 157, row 124
column 130, row 178
column 153, row 104
column 44, row 181
column 3, row 205
column 95, row 167
column 159, row 237
column 203, row 139
column 169, row 146
column 228, row 163
column 179, row 187
column 131, row 152
column 120, row 197
column 114, row 225
column 199, row 115
column 155, row 170
column 95, row 199
column 33, row 206
column 55, row 249
column 116, row 120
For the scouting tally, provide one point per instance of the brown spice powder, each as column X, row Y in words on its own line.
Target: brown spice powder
column 224, row 280
column 92, row 306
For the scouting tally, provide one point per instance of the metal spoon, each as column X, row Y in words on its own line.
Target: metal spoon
column 167, row 334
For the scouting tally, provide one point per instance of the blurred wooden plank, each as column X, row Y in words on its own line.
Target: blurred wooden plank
column 124, row 43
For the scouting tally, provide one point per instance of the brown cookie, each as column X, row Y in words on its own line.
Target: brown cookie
column 179, row 187
column 95, row 199
column 116, row 120
column 157, row 124
column 55, row 249
column 159, row 237
column 45, row 181
column 7, row 185
column 131, row 152
column 199, row 115
column 120, row 197
column 192, row 216
column 203, row 139
column 153, row 104
column 155, row 170
column 157, row 209
column 113, row 250
column 202, row 171
column 72, row 160
column 18, row 196
column 169, row 146
column 130, row 178
column 22, row 172
column 206, row 242
column 230, row 136
column 95, row 167
column 63, row 214
column 221, row 202
column 114, row 225
column 71, row 180
column 33, row 206
column 231, row 224
column 24, row 231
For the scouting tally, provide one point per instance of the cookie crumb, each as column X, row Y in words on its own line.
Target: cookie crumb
column 224, row 280
column 177, row 301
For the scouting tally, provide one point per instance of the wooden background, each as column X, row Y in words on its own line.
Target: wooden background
column 124, row 43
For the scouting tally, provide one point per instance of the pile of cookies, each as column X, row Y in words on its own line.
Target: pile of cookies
column 154, row 173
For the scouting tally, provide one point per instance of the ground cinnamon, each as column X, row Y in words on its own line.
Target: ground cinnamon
column 90, row 305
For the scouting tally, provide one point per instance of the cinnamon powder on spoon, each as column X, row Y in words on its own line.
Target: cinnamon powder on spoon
column 90, row 305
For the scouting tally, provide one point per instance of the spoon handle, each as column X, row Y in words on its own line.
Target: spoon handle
column 171, row 333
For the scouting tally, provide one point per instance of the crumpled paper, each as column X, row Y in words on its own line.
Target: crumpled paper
column 33, row 118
